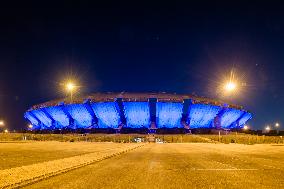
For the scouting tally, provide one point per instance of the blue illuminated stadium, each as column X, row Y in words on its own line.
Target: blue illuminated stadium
column 137, row 110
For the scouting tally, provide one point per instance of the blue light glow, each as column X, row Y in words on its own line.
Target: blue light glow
column 107, row 114
column 31, row 119
column 80, row 114
column 244, row 119
column 202, row 115
column 58, row 115
column 42, row 118
column 229, row 117
column 137, row 114
column 169, row 114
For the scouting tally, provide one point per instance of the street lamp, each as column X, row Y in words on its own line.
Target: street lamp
column 230, row 86
column 70, row 87
column 30, row 126
column 277, row 125
column 267, row 128
column 246, row 127
column 2, row 123
column 6, row 131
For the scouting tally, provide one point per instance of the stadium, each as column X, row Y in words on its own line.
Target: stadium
column 136, row 110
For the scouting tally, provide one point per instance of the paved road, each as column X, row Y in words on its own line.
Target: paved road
column 181, row 166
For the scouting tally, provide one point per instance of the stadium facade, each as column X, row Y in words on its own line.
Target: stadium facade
column 136, row 110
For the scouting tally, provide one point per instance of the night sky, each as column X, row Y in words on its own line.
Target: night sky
column 150, row 47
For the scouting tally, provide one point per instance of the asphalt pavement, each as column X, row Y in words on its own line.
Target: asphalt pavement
column 181, row 166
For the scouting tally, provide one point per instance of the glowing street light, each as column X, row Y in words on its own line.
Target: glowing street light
column 246, row 127
column 30, row 126
column 6, row 131
column 230, row 86
column 70, row 87
column 277, row 124
column 267, row 128
column 2, row 123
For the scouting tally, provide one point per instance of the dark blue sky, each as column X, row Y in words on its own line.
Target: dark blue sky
column 180, row 47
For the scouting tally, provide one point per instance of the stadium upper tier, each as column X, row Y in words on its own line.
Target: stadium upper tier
column 136, row 110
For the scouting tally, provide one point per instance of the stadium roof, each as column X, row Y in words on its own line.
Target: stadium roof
column 162, row 97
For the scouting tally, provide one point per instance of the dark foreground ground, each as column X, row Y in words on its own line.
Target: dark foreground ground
column 181, row 166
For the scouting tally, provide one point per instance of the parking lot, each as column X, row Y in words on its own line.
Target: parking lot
column 192, row 165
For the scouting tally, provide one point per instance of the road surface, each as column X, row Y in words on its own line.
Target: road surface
column 181, row 166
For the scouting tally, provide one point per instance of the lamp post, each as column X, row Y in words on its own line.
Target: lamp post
column 230, row 86
column 230, row 89
column 267, row 128
column 70, row 87
column 277, row 125
column 2, row 124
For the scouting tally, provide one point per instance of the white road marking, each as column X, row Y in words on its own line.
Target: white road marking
column 225, row 169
